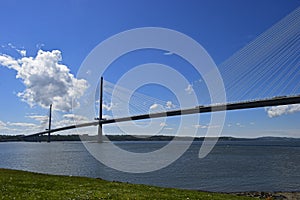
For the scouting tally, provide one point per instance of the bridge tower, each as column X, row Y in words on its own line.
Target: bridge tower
column 100, row 131
column 49, row 127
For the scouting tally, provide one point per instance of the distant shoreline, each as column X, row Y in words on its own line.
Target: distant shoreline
column 43, row 138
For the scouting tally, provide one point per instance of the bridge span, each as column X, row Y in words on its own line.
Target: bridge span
column 282, row 100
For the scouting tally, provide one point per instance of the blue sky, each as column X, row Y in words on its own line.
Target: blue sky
column 76, row 27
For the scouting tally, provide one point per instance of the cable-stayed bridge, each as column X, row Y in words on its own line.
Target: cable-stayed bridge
column 284, row 100
column 266, row 70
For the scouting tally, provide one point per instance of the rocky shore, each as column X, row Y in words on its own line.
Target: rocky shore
column 271, row 195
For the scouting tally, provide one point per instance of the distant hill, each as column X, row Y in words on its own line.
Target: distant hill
column 15, row 138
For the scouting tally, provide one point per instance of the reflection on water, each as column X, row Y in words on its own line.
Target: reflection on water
column 231, row 166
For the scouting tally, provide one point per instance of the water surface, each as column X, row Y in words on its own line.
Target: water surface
column 264, row 165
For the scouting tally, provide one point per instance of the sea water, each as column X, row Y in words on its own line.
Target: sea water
column 250, row 165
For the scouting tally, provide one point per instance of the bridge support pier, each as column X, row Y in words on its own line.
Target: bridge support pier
column 100, row 130
column 100, row 133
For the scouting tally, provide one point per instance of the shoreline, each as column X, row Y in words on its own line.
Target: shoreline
column 117, row 138
column 294, row 195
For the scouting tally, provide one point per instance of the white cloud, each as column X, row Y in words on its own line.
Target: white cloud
column 168, row 53
column 77, row 118
column 22, row 52
column 40, row 118
column 106, row 117
column 276, row 111
column 39, row 46
column 107, row 106
column 2, row 125
column 21, row 124
column 11, row 45
column 47, row 81
column 88, row 72
column 189, row 89
column 163, row 124
column 9, row 62
column 197, row 126
column 69, row 119
column 170, row 105
column 239, row 125
column 15, row 128
column 154, row 106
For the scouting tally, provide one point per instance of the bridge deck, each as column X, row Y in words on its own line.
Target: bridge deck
column 285, row 100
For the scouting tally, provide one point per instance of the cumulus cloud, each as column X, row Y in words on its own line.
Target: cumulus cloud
column 189, row 89
column 276, row 111
column 47, row 81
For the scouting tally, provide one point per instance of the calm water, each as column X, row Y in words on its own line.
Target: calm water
column 231, row 166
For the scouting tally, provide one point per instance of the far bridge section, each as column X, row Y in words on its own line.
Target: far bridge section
column 276, row 101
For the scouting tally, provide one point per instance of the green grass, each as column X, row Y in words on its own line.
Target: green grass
column 26, row 185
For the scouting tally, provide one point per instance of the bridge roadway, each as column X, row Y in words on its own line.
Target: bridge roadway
column 284, row 100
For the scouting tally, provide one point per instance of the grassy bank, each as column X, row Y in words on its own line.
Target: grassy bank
column 26, row 185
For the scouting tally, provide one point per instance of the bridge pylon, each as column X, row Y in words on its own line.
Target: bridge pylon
column 100, row 130
column 49, row 127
